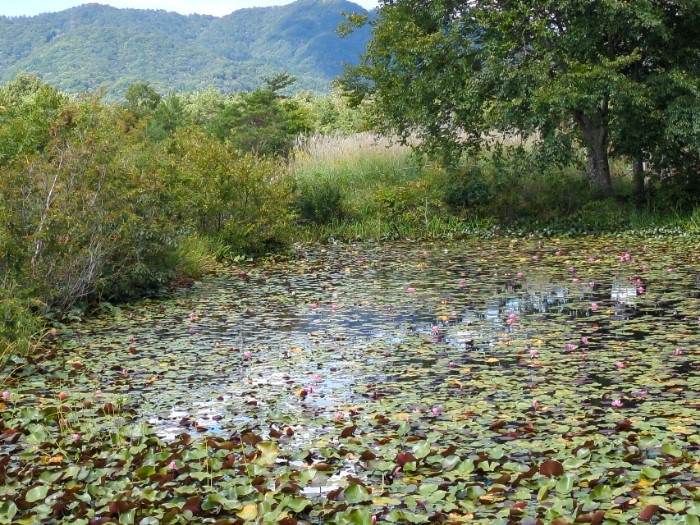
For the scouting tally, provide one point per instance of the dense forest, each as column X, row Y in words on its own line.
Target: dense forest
column 95, row 46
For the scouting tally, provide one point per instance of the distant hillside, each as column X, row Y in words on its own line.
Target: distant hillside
column 92, row 46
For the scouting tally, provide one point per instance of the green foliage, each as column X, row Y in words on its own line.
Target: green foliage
column 262, row 122
column 320, row 201
column 603, row 74
column 85, row 48
column 242, row 200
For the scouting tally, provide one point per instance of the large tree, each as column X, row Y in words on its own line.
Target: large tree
column 606, row 73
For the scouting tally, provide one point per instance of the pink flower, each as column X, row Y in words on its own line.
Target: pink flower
column 314, row 305
column 584, row 340
column 436, row 330
column 641, row 289
column 172, row 465
column 594, row 306
column 462, row 282
column 247, row 354
column 591, row 284
column 452, row 364
column 316, row 378
column 410, row 290
column 62, row 395
column 677, row 351
column 571, row 269
column 76, row 437
column 535, row 404
column 570, row 346
column 360, row 261
column 669, row 270
column 373, row 519
column 338, row 415
column 535, row 257
column 533, row 354
column 575, row 280
column 334, row 307
column 644, row 267
column 619, row 365
column 124, row 372
column 436, row 411
column 98, row 392
column 557, row 253
column 192, row 316
column 388, row 309
column 5, row 396
column 617, row 403
column 520, row 274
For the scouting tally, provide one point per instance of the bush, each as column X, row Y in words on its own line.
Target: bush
column 320, row 202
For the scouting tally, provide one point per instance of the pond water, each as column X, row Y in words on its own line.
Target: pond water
column 494, row 381
column 423, row 327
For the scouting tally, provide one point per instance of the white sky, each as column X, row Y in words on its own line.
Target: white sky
column 186, row 7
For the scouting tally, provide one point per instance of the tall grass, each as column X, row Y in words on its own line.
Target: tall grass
column 369, row 187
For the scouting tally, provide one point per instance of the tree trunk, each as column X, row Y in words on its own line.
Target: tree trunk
column 595, row 134
column 638, row 175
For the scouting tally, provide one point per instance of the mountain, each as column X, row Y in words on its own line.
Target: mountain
column 94, row 46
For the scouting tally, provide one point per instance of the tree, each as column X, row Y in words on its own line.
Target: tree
column 262, row 122
column 586, row 70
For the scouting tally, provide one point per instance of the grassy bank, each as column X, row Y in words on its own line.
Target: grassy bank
column 365, row 187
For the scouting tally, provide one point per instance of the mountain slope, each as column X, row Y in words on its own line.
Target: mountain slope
column 92, row 46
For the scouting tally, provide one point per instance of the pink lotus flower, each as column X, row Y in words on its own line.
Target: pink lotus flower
column 535, row 257
column 535, row 404
column 436, row 411
column 334, row 307
column 669, row 270
column 617, row 403
column 5, row 396
column 594, row 306
column 619, row 365
column 452, row 364
column 644, row 267
column 360, row 261
column 570, row 346
column 533, row 354
column 247, row 354
column 462, row 282
column 571, row 269
column 192, row 316
column 584, row 340
column 436, row 330
column 641, row 289
column 314, row 306
column 591, row 284
column 172, row 465
column 388, row 309
column 678, row 351
column 338, row 415
column 575, row 280
column 76, row 437
column 62, row 395
column 557, row 253
column 316, row 378
column 98, row 392
column 520, row 274
column 124, row 372
column 410, row 290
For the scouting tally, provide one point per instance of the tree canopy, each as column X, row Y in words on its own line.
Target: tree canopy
column 618, row 78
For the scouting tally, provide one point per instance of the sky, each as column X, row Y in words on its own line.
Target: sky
column 186, row 7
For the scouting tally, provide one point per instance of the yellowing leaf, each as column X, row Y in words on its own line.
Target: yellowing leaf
column 249, row 512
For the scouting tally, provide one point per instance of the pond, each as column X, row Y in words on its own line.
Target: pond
column 427, row 379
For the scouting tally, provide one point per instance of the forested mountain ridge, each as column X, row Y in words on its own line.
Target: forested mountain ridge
column 92, row 46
